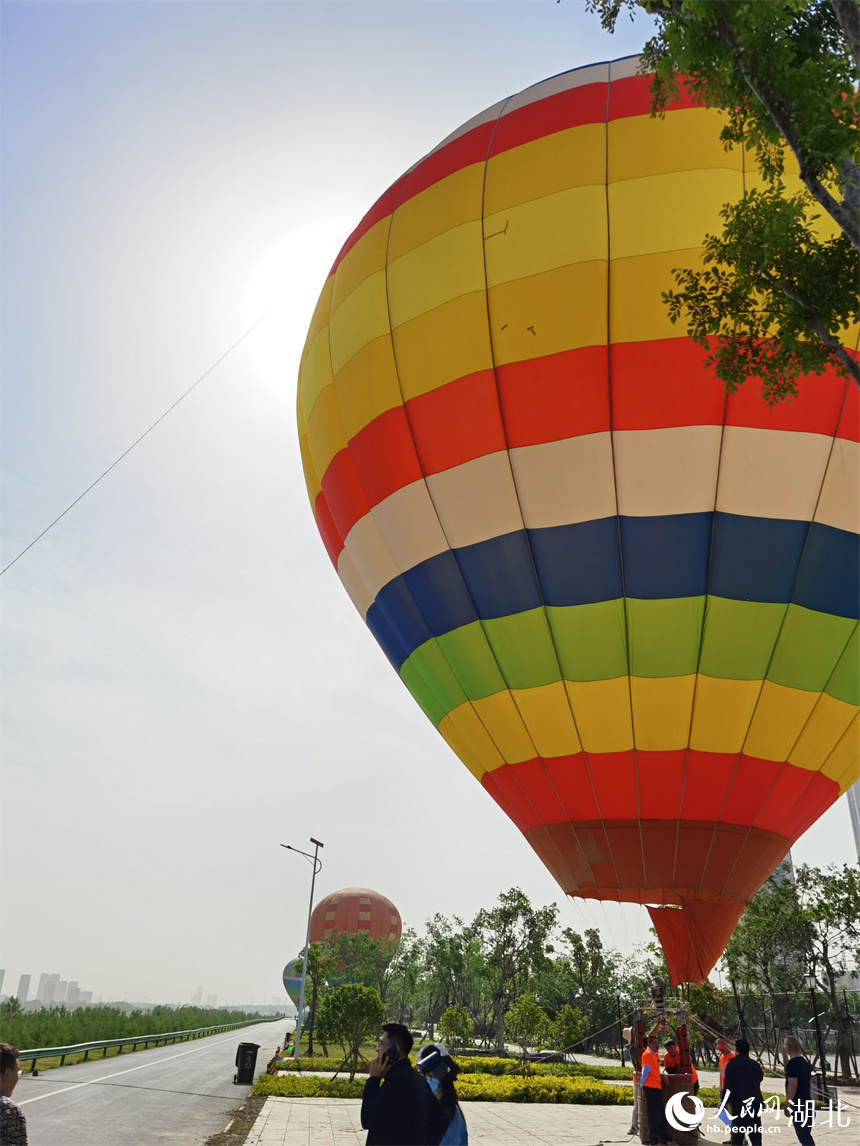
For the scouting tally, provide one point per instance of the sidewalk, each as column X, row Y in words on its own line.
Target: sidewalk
column 335, row 1122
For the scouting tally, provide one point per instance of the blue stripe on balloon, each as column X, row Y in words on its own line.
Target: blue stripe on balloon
column 666, row 556
column 829, row 577
column 578, row 564
column 500, row 575
column 754, row 559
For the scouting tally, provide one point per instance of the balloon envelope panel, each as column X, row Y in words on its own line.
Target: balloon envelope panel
column 355, row 909
column 293, row 980
column 627, row 601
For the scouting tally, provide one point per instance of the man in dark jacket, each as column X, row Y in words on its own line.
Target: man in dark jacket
column 397, row 1107
column 743, row 1095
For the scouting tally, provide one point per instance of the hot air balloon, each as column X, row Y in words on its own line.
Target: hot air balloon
column 627, row 601
column 356, row 909
column 293, row 981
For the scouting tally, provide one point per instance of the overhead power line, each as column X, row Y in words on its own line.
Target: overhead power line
column 137, row 441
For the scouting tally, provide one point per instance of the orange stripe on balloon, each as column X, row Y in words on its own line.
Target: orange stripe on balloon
column 384, row 456
column 457, row 422
column 343, row 492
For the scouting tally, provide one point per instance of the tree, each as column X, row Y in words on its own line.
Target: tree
column 455, row 1026
column 830, row 903
column 568, row 1028
column 321, row 964
column 779, row 284
column 528, row 1025
column 349, row 1015
column 516, row 942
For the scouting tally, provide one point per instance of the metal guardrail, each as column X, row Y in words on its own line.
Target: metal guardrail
column 33, row 1056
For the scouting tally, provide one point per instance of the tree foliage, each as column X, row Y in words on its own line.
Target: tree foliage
column 779, row 285
column 455, row 1026
column 527, row 1025
column 350, row 1015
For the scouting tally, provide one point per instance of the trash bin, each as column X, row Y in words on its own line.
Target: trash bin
column 246, row 1060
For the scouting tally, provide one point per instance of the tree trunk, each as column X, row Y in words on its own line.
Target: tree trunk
column 499, row 1024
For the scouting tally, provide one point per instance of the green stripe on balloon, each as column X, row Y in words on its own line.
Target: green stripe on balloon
column 590, row 640
column 664, row 635
column 739, row 637
column 844, row 684
column 809, row 648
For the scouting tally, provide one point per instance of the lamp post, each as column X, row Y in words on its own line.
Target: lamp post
column 810, row 982
column 620, row 1025
column 317, row 869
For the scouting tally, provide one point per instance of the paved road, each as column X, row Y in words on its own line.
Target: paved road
column 175, row 1094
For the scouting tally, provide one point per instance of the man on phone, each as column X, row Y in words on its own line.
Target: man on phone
column 397, row 1107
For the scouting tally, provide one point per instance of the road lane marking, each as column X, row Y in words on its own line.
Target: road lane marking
column 117, row 1073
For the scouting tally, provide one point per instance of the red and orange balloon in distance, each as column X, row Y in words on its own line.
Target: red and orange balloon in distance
column 628, row 602
column 356, row 909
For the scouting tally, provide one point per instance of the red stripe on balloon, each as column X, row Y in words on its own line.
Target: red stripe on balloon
column 815, row 410
column 384, row 455
column 613, row 775
column 820, row 794
column 558, row 112
column 661, row 781
column 706, row 781
column 343, row 492
column 457, row 422
column 332, row 540
column 663, row 383
column 560, row 396
column 632, row 96
column 849, row 423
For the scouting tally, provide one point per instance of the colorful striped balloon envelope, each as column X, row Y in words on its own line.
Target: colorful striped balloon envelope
column 627, row 601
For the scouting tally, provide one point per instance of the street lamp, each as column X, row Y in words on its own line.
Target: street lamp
column 317, row 869
column 620, row 1025
column 810, row 982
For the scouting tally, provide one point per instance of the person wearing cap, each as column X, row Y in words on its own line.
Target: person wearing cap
column 440, row 1070
column 659, row 1133
column 397, row 1108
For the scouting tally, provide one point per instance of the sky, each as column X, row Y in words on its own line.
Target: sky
column 186, row 685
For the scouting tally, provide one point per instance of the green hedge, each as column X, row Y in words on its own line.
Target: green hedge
column 470, row 1065
column 470, row 1088
column 286, row 1087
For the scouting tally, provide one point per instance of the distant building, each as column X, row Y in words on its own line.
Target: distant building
column 23, row 989
column 211, row 1000
column 60, row 992
column 47, row 987
column 85, row 998
column 2, row 977
column 73, row 994
column 198, row 997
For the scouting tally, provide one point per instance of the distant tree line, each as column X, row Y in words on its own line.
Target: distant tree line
column 57, row 1026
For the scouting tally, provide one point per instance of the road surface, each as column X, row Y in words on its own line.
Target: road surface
column 175, row 1094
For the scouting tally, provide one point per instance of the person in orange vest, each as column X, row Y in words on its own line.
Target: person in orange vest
column 725, row 1057
column 649, row 1079
column 672, row 1058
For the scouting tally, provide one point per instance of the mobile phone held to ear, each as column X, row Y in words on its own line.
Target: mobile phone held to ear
column 392, row 1054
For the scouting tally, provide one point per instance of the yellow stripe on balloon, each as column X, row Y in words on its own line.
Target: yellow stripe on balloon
column 661, row 711
column 503, row 722
column 601, row 709
column 722, row 711
column 457, row 332
column 463, row 731
column 368, row 385
column 779, row 718
column 451, row 202
column 546, row 713
column 686, row 140
column 843, row 764
column 364, row 260
column 325, row 430
column 823, row 730
column 575, row 157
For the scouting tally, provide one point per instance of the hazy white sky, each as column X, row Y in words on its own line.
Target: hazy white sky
column 185, row 683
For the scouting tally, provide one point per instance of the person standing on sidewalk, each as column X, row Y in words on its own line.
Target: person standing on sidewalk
column 798, row 1091
column 397, row 1108
column 743, row 1079
column 13, row 1124
column 659, row 1133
